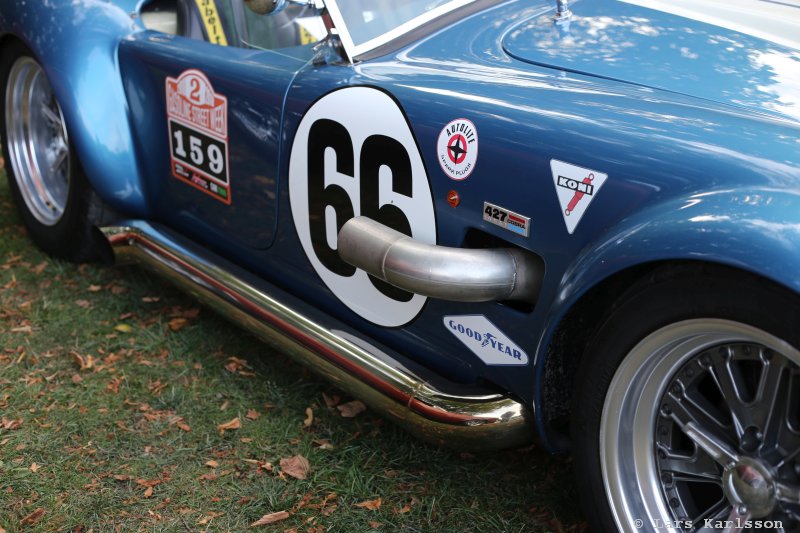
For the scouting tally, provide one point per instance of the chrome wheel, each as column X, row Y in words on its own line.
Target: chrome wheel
column 37, row 141
column 700, row 430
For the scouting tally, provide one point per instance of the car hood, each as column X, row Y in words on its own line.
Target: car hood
column 702, row 52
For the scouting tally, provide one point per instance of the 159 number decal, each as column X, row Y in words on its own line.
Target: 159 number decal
column 344, row 163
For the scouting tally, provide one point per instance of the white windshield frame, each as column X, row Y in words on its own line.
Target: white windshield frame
column 354, row 50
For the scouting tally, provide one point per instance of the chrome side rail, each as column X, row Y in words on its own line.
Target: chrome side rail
column 458, row 274
column 485, row 420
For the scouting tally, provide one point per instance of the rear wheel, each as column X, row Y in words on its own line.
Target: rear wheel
column 47, row 183
column 687, row 408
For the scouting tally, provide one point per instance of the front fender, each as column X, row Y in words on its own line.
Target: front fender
column 76, row 43
column 754, row 229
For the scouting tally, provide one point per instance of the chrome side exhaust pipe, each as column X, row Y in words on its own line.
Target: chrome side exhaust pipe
column 457, row 274
column 443, row 414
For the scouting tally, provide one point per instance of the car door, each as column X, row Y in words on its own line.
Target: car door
column 207, row 118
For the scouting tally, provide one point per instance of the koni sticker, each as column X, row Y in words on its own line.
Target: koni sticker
column 344, row 164
column 198, row 130
column 506, row 219
column 576, row 188
column 458, row 148
column 485, row 340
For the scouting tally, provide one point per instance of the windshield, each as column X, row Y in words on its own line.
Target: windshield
column 367, row 24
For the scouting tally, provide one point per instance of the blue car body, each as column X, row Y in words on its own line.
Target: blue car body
column 695, row 128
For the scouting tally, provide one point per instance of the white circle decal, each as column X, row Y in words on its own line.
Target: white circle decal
column 354, row 155
column 458, row 148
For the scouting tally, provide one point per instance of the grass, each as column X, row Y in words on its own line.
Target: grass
column 113, row 388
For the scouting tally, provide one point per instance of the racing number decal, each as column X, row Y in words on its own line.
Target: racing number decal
column 354, row 154
column 198, row 130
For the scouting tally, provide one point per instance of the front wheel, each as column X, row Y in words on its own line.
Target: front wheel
column 687, row 408
column 47, row 183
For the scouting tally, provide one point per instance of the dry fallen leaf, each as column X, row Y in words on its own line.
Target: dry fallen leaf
column 211, row 464
column 230, row 425
column 148, row 492
column 123, row 328
column 33, row 518
column 83, row 362
column 84, row 304
column 183, row 426
column 95, row 288
column 351, row 409
column 331, row 402
column 309, row 417
column 208, row 517
column 297, row 466
column 252, row 414
column 34, row 467
column 176, row 324
column 372, row 505
column 9, row 424
column 270, row 518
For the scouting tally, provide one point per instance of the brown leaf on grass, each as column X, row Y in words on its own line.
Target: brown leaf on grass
column 224, row 405
column 113, row 384
column 148, row 492
column 155, row 387
column 230, row 425
column 10, row 424
column 331, row 402
column 76, row 379
column 38, row 269
column 309, row 417
column 34, row 468
column 270, row 519
column 123, row 328
column 95, row 288
column 252, row 414
column 33, row 518
column 211, row 464
column 297, row 466
column 351, row 409
column 183, row 426
column 83, row 304
column 177, row 324
column 375, row 525
column 151, row 299
column 208, row 517
column 372, row 505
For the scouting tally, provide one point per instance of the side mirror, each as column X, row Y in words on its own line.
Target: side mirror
column 265, row 7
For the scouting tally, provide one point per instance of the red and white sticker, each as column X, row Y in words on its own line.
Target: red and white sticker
column 576, row 188
column 197, row 118
column 457, row 148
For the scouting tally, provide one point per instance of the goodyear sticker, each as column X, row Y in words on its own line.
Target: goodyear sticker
column 458, row 148
column 576, row 188
column 212, row 22
column 485, row 340
column 198, row 130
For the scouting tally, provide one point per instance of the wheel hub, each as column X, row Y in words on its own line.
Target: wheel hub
column 750, row 487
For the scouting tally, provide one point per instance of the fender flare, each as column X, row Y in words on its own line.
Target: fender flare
column 709, row 227
column 85, row 75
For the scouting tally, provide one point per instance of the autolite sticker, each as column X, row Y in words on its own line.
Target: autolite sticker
column 458, row 148
column 576, row 188
column 197, row 118
column 485, row 340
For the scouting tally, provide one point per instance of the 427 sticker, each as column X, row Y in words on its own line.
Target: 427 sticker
column 345, row 163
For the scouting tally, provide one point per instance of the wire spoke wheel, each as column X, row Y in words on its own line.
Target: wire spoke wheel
column 37, row 141
column 700, row 430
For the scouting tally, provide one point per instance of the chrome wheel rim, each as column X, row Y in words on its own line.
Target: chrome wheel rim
column 38, row 144
column 701, row 429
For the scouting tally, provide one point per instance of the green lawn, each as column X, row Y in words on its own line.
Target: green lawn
column 113, row 388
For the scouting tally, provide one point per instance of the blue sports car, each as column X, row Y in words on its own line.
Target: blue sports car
column 489, row 219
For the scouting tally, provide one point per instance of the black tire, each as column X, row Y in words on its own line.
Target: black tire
column 646, row 369
column 60, row 227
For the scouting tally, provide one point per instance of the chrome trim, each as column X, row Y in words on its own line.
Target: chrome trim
column 463, row 421
column 458, row 274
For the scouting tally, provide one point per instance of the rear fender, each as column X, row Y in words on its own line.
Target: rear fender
column 76, row 43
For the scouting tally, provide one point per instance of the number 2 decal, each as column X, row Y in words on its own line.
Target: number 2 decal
column 345, row 163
